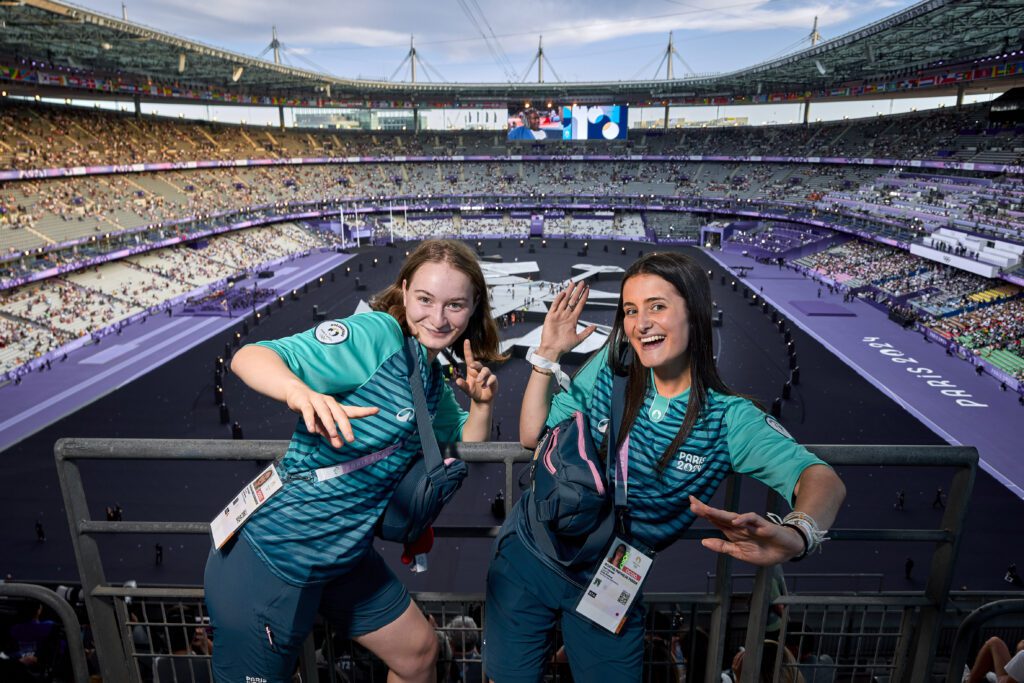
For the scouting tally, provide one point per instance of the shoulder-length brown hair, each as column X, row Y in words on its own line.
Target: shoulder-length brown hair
column 482, row 331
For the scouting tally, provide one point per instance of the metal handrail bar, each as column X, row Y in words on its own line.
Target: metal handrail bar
column 793, row 580
column 487, row 452
column 72, row 627
column 922, row 614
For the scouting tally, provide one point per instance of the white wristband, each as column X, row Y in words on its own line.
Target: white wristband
column 543, row 363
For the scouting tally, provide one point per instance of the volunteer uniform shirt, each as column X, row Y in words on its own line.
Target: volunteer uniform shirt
column 312, row 531
column 732, row 435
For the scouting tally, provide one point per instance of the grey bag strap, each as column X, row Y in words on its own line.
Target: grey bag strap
column 428, row 442
column 616, row 470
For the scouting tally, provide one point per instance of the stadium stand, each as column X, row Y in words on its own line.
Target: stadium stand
column 107, row 218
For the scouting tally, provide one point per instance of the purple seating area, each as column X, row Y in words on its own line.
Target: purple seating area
column 775, row 240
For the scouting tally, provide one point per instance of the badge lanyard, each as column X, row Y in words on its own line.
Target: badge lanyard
column 626, row 563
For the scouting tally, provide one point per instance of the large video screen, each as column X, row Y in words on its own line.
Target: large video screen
column 570, row 122
column 595, row 123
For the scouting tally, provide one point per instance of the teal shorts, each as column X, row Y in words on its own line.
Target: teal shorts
column 525, row 600
column 260, row 621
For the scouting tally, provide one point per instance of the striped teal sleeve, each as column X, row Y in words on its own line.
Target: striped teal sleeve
column 338, row 356
column 449, row 418
column 565, row 403
column 761, row 447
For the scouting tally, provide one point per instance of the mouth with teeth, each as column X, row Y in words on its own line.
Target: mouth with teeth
column 652, row 341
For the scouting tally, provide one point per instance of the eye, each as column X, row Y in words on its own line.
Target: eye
column 455, row 306
column 658, row 307
column 629, row 311
column 423, row 300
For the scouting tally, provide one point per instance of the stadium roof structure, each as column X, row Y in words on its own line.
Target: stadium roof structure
column 50, row 47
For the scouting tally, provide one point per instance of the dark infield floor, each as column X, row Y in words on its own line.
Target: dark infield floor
column 832, row 404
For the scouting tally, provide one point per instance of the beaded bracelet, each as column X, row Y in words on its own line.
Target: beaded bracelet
column 808, row 529
column 803, row 537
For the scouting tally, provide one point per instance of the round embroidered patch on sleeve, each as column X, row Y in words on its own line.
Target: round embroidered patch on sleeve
column 777, row 426
column 331, row 332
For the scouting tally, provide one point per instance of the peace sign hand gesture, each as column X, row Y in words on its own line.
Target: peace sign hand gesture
column 559, row 335
column 480, row 383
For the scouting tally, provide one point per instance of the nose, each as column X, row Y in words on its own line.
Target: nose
column 437, row 318
column 643, row 322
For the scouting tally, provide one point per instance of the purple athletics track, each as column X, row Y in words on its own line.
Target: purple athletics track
column 943, row 392
column 96, row 370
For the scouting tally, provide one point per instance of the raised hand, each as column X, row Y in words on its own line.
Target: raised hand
column 480, row 383
column 325, row 416
column 749, row 536
column 559, row 335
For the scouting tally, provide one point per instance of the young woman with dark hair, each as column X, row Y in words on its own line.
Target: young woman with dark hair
column 683, row 431
column 308, row 548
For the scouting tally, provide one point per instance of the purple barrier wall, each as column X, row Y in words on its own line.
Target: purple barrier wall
column 38, row 173
column 1011, row 382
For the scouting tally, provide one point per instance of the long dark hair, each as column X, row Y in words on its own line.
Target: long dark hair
column 482, row 331
column 690, row 280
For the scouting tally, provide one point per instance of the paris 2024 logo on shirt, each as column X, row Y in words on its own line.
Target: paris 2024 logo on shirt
column 689, row 463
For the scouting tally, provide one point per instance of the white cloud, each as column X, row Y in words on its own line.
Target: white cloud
column 373, row 37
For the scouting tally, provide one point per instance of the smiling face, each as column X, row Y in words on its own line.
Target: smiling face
column 439, row 301
column 657, row 325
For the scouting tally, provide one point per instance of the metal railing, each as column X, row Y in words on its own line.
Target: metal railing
column 68, row 618
column 883, row 635
column 972, row 624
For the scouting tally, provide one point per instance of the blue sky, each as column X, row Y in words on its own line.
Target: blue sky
column 584, row 40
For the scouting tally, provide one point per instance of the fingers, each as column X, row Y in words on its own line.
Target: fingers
column 325, row 416
column 577, row 296
column 718, row 545
column 571, row 298
column 707, row 512
column 584, row 295
column 355, row 412
column 485, row 378
column 467, row 353
column 750, row 520
column 321, row 430
column 480, row 383
column 338, row 421
column 309, row 417
column 558, row 303
column 586, row 333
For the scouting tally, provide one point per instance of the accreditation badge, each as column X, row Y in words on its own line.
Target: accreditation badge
column 241, row 508
column 616, row 584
